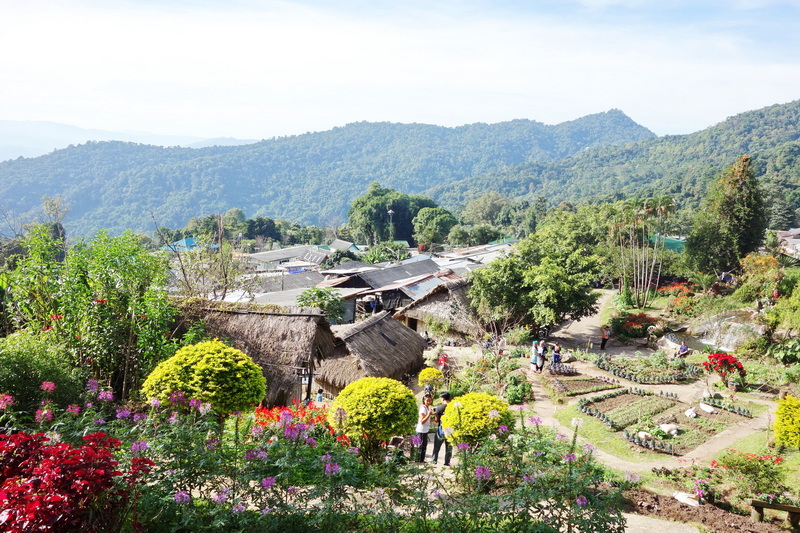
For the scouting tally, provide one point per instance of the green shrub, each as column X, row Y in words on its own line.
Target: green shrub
column 372, row 410
column 27, row 359
column 786, row 353
column 430, row 376
column 787, row 422
column 475, row 416
column 211, row 372
column 518, row 336
column 518, row 390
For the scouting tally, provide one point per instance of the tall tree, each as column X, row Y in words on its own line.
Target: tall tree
column 731, row 222
column 384, row 214
column 432, row 225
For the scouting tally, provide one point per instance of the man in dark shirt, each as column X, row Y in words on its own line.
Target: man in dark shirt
column 438, row 438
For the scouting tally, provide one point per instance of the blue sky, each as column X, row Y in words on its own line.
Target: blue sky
column 259, row 68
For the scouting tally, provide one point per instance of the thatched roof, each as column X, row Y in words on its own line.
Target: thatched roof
column 281, row 340
column 379, row 346
column 448, row 301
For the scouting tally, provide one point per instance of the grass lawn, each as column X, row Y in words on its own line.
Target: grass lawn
column 598, row 434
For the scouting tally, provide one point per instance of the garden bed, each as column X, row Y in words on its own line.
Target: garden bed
column 584, row 385
column 623, row 408
column 652, row 370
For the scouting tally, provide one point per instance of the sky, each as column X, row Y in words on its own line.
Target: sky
column 256, row 69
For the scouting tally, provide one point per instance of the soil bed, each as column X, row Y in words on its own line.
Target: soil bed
column 578, row 386
column 714, row 519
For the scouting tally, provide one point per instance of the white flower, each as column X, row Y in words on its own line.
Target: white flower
column 54, row 437
column 493, row 413
column 448, row 431
column 204, row 408
column 492, row 437
column 457, row 405
column 577, row 422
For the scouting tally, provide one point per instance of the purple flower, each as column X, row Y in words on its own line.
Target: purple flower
column 266, row 511
column 212, row 443
column 194, row 403
column 256, row 454
column 173, row 417
column 256, row 431
column 354, row 450
column 569, row 457
column 528, row 479
column 581, row 500
column 502, row 429
column 221, row 496
column 416, row 441
column 99, row 422
column 286, row 418
column 561, row 436
column 138, row 417
column 48, row 386
column 291, row 489
column 311, row 441
column 177, row 398
column 238, row 508
column 268, row 482
column 631, row 477
column 155, row 403
column 105, row 396
column 92, row 386
column 89, row 405
column 74, row 409
column 182, row 497
column 482, row 473
column 535, row 421
column 325, row 458
column 139, row 446
column 331, row 469
column 588, row 449
column 462, row 446
column 123, row 413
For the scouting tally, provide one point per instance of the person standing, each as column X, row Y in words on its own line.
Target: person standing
column 541, row 356
column 605, row 332
column 439, row 437
column 424, row 425
column 557, row 354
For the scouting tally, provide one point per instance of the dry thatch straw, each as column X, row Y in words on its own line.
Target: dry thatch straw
column 447, row 302
column 379, row 346
column 283, row 341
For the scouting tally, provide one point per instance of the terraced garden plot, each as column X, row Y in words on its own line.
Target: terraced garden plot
column 650, row 370
column 626, row 409
column 578, row 386
column 692, row 431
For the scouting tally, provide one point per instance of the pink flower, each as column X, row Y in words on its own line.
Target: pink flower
column 48, row 386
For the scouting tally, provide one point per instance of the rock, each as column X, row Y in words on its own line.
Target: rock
column 643, row 435
column 672, row 429
column 688, row 499
column 568, row 358
column 690, row 413
column 671, row 420
column 708, row 409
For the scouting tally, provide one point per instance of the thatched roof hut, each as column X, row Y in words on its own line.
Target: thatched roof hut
column 447, row 302
column 379, row 346
column 289, row 344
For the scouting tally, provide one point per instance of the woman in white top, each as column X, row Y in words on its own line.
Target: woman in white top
column 424, row 425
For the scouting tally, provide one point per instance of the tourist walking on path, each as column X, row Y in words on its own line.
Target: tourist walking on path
column 605, row 332
column 541, row 356
column 424, row 425
column 439, row 437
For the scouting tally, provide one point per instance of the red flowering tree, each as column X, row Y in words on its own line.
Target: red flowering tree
column 724, row 365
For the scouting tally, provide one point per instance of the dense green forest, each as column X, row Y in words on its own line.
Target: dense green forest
column 678, row 166
column 313, row 178
column 310, row 178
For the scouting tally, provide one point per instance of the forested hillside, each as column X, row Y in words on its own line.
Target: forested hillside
column 309, row 178
column 678, row 166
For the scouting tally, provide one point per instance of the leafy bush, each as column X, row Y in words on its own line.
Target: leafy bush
column 58, row 487
column 518, row 390
column 212, row 373
column 475, row 416
column 430, row 376
column 724, row 365
column 374, row 410
column 786, row 353
column 28, row 359
column 752, row 472
column 632, row 325
column 787, row 422
column 518, row 336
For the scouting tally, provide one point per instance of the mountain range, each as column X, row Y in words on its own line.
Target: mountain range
column 312, row 178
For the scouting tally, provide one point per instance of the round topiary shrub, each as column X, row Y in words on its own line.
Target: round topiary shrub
column 212, row 373
column 474, row 416
column 430, row 376
column 373, row 410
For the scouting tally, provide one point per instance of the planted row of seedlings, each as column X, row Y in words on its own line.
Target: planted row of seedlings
column 630, row 412
column 650, row 378
column 568, row 387
column 720, row 404
column 561, row 369
column 655, row 445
